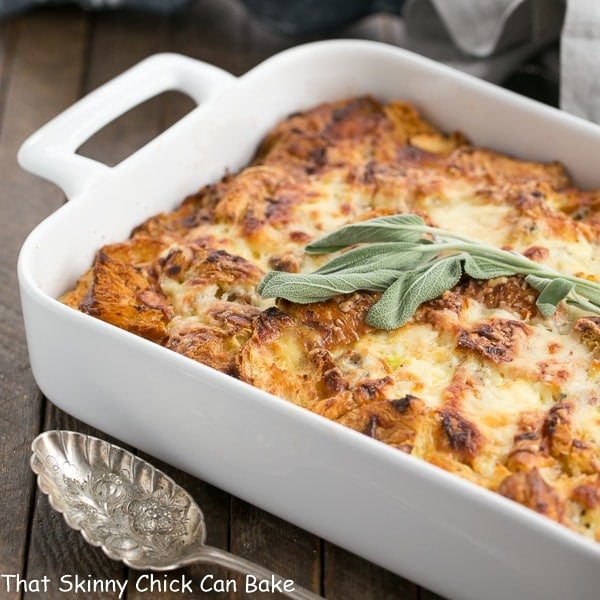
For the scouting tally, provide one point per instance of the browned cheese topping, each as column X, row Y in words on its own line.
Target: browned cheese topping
column 477, row 382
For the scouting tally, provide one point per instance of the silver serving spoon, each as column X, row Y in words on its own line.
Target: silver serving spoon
column 133, row 511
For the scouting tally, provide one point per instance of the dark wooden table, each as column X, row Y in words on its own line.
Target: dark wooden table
column 48, row 59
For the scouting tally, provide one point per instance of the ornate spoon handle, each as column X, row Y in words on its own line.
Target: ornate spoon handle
column 216, row 556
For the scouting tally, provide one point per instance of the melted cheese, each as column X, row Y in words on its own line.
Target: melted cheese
column 477, row 382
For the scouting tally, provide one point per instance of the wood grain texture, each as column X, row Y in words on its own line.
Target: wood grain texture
column 288, row 551
column 119, row 41
column 48, row 59
column 349, row 577
column 8, row 35
column 116, row 42
column 32, row 52
column 110, row 44
column 213, row 31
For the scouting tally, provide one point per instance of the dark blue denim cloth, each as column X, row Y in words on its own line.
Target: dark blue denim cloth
column 294, row 17
column 10, row 7
column 317, row 16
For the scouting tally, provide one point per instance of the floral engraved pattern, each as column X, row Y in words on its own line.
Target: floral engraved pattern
column 121, row 503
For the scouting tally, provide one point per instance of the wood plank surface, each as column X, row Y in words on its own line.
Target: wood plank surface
column 114, row 42
column 33, row 90
column 348, row 576
column 49, row 58
column 117, row 42
column 54, row 550
column 287, row 550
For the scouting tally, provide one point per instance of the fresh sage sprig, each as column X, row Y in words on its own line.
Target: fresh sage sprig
column 411, row 263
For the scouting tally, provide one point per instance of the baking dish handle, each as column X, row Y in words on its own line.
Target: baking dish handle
column 51, row 151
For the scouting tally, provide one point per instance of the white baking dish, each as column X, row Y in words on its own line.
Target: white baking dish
column 408, row 516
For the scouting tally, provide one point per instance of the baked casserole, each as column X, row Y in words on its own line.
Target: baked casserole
column 478, row 381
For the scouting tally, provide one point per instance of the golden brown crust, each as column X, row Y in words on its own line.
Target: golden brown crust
column 124, row 292
column 588, row 329
column 396, row 422
column 497, row 339
column 74, row 297
column 530, row 489
column 459, row 436
column 338, row 321
column 477, row 382
column 510, row 293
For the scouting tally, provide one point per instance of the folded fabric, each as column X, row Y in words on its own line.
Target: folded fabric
column 580, row 60
column 487, row 38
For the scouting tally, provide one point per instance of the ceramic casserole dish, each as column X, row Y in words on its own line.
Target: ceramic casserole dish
column 408, row 516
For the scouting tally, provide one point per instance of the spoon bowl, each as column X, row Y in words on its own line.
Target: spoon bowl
column 129, row 508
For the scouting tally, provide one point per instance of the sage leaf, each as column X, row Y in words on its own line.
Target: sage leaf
column 364, row 259
column 589, row 289
column 396, row 228
column 552, row 294
column 582, row 303
column 411, row 263
column 479, row 267
column 399, row 302
column 315, row 287
column 538, row 283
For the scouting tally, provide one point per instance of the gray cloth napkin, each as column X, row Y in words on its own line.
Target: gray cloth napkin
column 580, row 60
column 490, row 38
